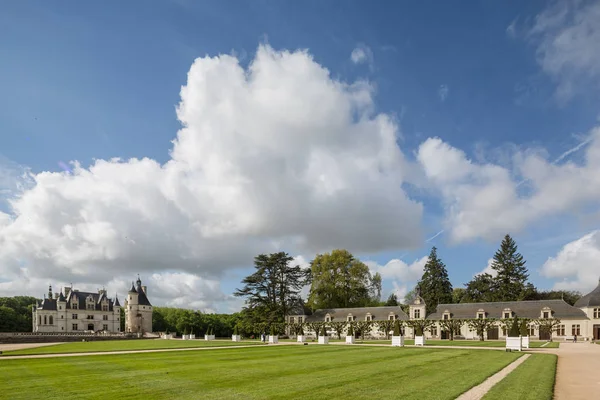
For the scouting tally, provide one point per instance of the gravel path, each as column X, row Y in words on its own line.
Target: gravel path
column 20, row 346
column 578, row 372
column 477, row 392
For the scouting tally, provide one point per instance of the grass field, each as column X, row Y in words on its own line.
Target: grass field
column 281, row 372
column 118, row 345
column 532, row 380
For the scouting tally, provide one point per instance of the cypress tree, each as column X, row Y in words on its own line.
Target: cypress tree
column 272, row 330
column 350, row 330
column 397, row 328
column 514, row 328
column 235, row 330
column 435, row 287
column 511, row 278
column 324, row 330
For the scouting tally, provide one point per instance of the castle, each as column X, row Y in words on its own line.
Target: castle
column 73, row 311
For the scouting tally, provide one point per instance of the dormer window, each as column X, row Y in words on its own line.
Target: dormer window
column 368, row 317
column 507, row 313
column 328, row 318
column 480, row 314
column 392, row 317
column 417, row 313
column 349, row 318
column 446, row 316
column 546, row 313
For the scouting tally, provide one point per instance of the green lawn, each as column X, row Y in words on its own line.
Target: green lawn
column 532, row 380
column 117, row 345
column 260, row 372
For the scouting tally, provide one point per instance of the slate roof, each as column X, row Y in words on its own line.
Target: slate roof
column 524, row 309
column 47, row 304
column 82, row 297
column 360, row 313
column 591, row 299
column 142, row 298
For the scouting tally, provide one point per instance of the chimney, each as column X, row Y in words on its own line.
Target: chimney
column 144, row 288
column 67, row 290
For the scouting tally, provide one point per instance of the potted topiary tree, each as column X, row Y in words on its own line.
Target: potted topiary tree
column 185, row 334
column 236, row 334
column 397, row 338
column 300, row 333
column 323, row 338
column 524, row 333
column 350, row 333
column 273, row 338
column 513, row 340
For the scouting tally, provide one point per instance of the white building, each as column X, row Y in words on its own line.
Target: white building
column 581, row 320
column 138, row 310
column 76, row 311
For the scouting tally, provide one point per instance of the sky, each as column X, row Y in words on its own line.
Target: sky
column 178, row 140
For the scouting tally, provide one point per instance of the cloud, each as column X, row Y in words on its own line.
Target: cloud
column 511, row 30
column 403, row 276
column 576, row 264
column 566, row 35
column 443, row 92
column 483, row 200
column 275, row 156
column 488, row 269
column 362, row 54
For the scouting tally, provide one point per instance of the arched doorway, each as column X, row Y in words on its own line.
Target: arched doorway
column 90, row 327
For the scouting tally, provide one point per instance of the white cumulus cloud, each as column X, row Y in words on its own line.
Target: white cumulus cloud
column 276, row 156
column 362, row 54
column 577, row 264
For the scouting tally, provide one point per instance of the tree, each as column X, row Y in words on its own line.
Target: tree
column 458, row 295
column 272, row 289
column 547, row 325
column 338, row 327
column 511, row 278
column 453, row 326
column 482, row 288
column 350, row 331
column 481, row 325
column 363, row 327
column 568, row 296
column 315, row 327
column 435, row 287
column 420, row 326
column 385, row 326
column 338, row 280
column 397, row 328
column 392, row 300
column 515, row 328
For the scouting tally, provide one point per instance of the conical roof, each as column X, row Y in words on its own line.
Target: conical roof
column 116, row 303
column 61, row 297
column 592, row 299
column 132, row 290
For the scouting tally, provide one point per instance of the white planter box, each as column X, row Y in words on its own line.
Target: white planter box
column 300, row 338
column 209, row 337
column 349, row 339
column 236, row 338
column 525, row 342
column 398, row 341
column 169, row 336
column 323, row 339
column 185, row 337
column 514, row 343
column 419, row 340
column 193, row 336
column 273, row 339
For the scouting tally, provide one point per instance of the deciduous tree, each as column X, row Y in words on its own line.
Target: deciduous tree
column 453, row 326
column 481, row 326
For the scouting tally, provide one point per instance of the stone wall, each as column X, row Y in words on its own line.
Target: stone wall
column 19, row 337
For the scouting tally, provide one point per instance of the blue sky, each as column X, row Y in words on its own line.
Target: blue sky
column 92, row 81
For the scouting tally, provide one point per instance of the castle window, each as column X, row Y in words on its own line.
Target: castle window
column 391, row 317
column 417, row 313
column 51, row 320
column 446, row 316
column 480, row 315
column 560, row 330
column 45, row 320
column 74, row 327
column 576, row 330
column 60, row 307
column 546, row 314
column 90, row 317
column 104, row 307
column 368, row 317
column 39, row 319
column 350, row 318
column 596, row 313
column 105, row 327
column 74, row 306
column 74, row 316
column 433, row 331
column 506, row 315
column 327, row 318
column 62, row 316
column 105, row 317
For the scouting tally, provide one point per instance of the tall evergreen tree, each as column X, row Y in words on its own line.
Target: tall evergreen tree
column 272, row 289
column 435, row 287
column 511, row 277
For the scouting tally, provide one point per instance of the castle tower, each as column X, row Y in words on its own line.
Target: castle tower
column 138, row 310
